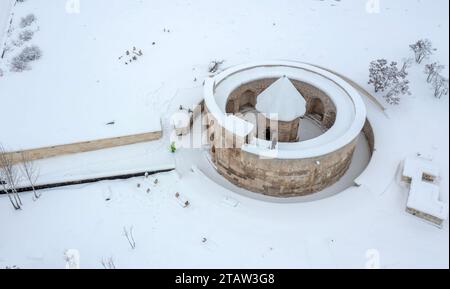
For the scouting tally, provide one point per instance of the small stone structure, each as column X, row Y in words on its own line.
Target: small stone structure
column 283, row 105
column 248, row 155
column 424, row 195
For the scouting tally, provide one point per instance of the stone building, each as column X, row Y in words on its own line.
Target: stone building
column 263, row 153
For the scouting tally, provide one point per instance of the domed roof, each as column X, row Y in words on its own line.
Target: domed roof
column 282, row 98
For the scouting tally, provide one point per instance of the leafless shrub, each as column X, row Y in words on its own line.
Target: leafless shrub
column 108, row 264
column 432, row 70
column 422, row 49
column 440, row 85
column 30, row 172
column 128, row 233
column 9, row 178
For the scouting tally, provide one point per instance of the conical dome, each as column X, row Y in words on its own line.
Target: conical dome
column 282, row 98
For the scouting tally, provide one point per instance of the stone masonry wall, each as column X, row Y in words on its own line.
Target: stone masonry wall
column 275, row 177
column 283, row 178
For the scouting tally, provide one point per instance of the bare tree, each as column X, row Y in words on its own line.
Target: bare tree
column 433, row 70
column 108, row 264
column 422, row 49
column 9, row 178
column 30, row 172
column 440, row 85
column 128, row 233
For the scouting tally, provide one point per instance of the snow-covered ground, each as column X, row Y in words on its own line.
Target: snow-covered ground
column 80, row 84
column 5, row 13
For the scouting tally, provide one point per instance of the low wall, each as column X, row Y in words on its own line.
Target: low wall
column 90, row 180
column 54, row 151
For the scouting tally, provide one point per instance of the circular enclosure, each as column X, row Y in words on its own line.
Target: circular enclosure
column 247, row 154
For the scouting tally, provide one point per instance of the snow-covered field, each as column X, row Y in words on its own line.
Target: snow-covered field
column 5, row 12
column 79, row 85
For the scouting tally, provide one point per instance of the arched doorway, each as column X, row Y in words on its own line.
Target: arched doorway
column 247, row 100
column 317, row 109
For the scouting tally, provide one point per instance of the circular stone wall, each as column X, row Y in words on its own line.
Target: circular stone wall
column 287, row 169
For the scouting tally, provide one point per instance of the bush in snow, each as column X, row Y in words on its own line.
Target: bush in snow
column 383, row 75
column 18, row 65
column 440, row 85
column 26, row 35
column 398, row 89
column 422, row 49
column 31, row 53
column 173, row 147
column 386, row 76
column 27, row 21
column 379, row 74
column 433, row 70
column 21, row 62
column 23, row 37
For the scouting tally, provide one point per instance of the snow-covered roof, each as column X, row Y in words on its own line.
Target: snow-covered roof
column 415, row 167
column 283, row 99
column 424, row 197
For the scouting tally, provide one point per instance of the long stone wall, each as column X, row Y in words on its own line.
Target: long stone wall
column 54, row 151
